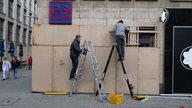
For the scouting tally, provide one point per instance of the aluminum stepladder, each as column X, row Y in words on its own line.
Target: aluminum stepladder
column 130, row 87
column 95, row 68
column 80, row 67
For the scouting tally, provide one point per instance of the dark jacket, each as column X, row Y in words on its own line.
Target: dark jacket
column 75, row 49
column 15, row 64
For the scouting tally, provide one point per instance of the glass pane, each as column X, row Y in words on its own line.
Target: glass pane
column 1, row 29
column 146, row 39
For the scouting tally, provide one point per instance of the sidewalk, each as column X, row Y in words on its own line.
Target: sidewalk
column 16, row 93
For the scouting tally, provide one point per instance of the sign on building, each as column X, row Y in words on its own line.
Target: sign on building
column 60, row 12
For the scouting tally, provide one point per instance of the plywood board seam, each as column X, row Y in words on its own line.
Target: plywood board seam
column 52, row 69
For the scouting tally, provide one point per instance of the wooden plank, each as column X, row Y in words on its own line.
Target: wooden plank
column 42, row 68
column 131, row 67
column 102, row 54
column 99, row 35
column 148, row 74
column 54, row 34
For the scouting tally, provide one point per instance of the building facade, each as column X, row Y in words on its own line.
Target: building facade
column 144, row 19
column 16, row 20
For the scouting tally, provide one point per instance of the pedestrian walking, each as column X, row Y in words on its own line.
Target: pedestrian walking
column 120, row 30
column 29, row 63
column 6, row 66
column 15, row 65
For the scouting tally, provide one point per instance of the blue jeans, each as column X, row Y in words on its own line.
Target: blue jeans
column 15, row 72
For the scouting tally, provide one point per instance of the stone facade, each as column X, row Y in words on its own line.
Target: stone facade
column 134, row 13
column 18, row 21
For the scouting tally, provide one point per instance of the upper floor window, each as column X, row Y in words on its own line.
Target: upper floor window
column 1, row 5
column 10, row 31
column 1, row 29
column 30, row 17
column 18, row 12
column 29, row 38
column 18, row 34
column 25, row 3
column 24, row 36
column 10, row 8
column 30, row 5
column 144, row 36
column 24, row 17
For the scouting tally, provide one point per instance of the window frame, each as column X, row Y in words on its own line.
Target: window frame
column 25, row 17
column 18, row 13
column 24, row 36
column 10, row 32
column 18, row 33
column 10, row 8
column 1, row 29
column 1, row 6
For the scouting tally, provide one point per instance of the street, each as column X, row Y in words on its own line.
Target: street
column 16, row 93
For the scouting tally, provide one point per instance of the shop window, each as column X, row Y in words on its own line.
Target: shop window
column 142, row 37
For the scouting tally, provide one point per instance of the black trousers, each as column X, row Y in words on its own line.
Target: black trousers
column 120, row 45
column 74, row 68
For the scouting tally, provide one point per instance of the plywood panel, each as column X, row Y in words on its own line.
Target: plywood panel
column 99, row 35
column 131, row 67
column 102, row 54
column 62, row 69
column 42, row 68
column 148, row 74
column 54, row 34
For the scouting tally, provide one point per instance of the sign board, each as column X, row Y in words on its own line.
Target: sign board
column 60, row 12
column 182, row 59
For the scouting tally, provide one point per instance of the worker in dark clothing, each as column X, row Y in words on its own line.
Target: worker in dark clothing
column 120, row 29
column 75, row 51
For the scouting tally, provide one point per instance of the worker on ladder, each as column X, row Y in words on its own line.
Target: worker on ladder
column 120, row 30
column 75, row 51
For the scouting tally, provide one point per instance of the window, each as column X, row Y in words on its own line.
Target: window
column 10, row 8
column 30, row 16
column 35, row 4
column 25, row 3
column 1, row 5
column 143, row 37
column 29, row 38
column 24, row 17
column 18, row 34
column 18, row 12
column 30, row 5
column 1, row 29
column 10, row 31
column 24, row 36
column 146, row 39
